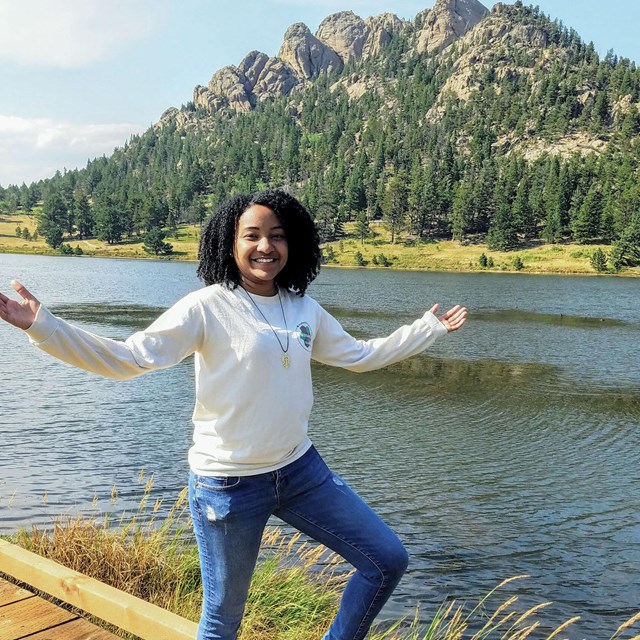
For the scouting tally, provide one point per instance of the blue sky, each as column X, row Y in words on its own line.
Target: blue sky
column 78, row 78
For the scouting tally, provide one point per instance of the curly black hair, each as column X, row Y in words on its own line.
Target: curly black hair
column 217, row 262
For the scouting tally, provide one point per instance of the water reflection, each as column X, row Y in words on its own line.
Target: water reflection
column 558, row 319
column 134, row 316
column 507, row 316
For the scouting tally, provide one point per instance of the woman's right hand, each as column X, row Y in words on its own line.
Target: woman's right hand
column 19, row 314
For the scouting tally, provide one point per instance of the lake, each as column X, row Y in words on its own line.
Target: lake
column 511, row 447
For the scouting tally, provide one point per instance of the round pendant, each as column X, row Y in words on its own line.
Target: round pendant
column 286, row 361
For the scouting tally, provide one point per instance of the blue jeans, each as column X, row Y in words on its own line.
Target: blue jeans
column 229, row 516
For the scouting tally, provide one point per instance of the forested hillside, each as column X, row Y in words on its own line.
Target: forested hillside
column 517, row 131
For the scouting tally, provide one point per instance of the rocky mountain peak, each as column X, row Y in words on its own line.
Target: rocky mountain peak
column 446, row 22
column 382, row 28
column 306, row 54
column 346, row 33
column 341, row 38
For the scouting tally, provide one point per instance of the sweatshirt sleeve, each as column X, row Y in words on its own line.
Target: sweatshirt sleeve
column 177, row 333
column 334, row 346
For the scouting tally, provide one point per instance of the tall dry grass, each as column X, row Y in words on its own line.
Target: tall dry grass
column 295, row 589
column 294, row 593
column 148, row 557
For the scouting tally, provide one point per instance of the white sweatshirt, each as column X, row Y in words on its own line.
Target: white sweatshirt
column 251, row 413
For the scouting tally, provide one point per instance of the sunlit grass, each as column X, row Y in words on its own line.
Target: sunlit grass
column 451, row 255
column 295, row 589
column 9, row 241
column 185, row 241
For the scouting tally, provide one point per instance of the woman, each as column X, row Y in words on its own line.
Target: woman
column 254, row 332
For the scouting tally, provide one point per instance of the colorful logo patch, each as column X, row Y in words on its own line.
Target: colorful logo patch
column 304, row 335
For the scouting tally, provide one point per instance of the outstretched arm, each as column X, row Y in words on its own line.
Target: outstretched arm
column 19, row 314
column 170, row 338
column 334, row 346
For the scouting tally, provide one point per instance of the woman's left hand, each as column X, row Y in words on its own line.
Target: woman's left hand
column 452, row 319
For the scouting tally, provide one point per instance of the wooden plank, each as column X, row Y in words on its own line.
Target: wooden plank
column 123, row 610
column 10, row 593
column 75, row 630
column 28, row 616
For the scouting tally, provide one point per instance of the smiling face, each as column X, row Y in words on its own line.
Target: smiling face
column 260, row 249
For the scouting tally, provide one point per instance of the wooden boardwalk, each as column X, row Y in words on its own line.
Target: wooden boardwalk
column 22, row 614
column 25, row 615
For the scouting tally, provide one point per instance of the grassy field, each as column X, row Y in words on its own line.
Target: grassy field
column 294, row 592
column 185, row 244
column 451, row 255
column 444, row 255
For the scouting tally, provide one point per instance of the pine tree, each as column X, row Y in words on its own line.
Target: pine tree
column 502, row 234
column 422, row 201
column 108, row 219
column 626, row 250
column 53, row 218
column 522, row 212
column 83, row 214
column 553, row 227
column 362, row 226
column 394, row 206
column 154, row 242
column 483, row 200
column 586, row 225
column 461, row 217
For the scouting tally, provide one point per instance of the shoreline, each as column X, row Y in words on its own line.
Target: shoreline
column 626, row 273
column 349, row 252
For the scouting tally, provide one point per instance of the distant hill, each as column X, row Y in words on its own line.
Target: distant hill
column 463, row 123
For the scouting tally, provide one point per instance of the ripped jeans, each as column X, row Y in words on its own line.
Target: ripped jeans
column 230, row 514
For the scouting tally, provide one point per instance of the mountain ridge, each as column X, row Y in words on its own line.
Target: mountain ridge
column 341, row 38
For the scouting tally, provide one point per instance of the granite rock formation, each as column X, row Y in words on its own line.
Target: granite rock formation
column 341, row 38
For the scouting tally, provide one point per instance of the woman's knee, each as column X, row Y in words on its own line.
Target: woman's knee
column 390, row 564
column 397, row 561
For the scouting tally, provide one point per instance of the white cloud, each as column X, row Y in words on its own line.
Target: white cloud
column 35, row 148
column 74, row 33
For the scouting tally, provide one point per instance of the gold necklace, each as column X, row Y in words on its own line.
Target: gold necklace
column 286, row 360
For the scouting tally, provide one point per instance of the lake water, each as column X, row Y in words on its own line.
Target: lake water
column 511, row 447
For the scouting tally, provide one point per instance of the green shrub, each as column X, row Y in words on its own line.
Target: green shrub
column 599, row 260
column 329, row 255
column 154, row 242
column 359, row 258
